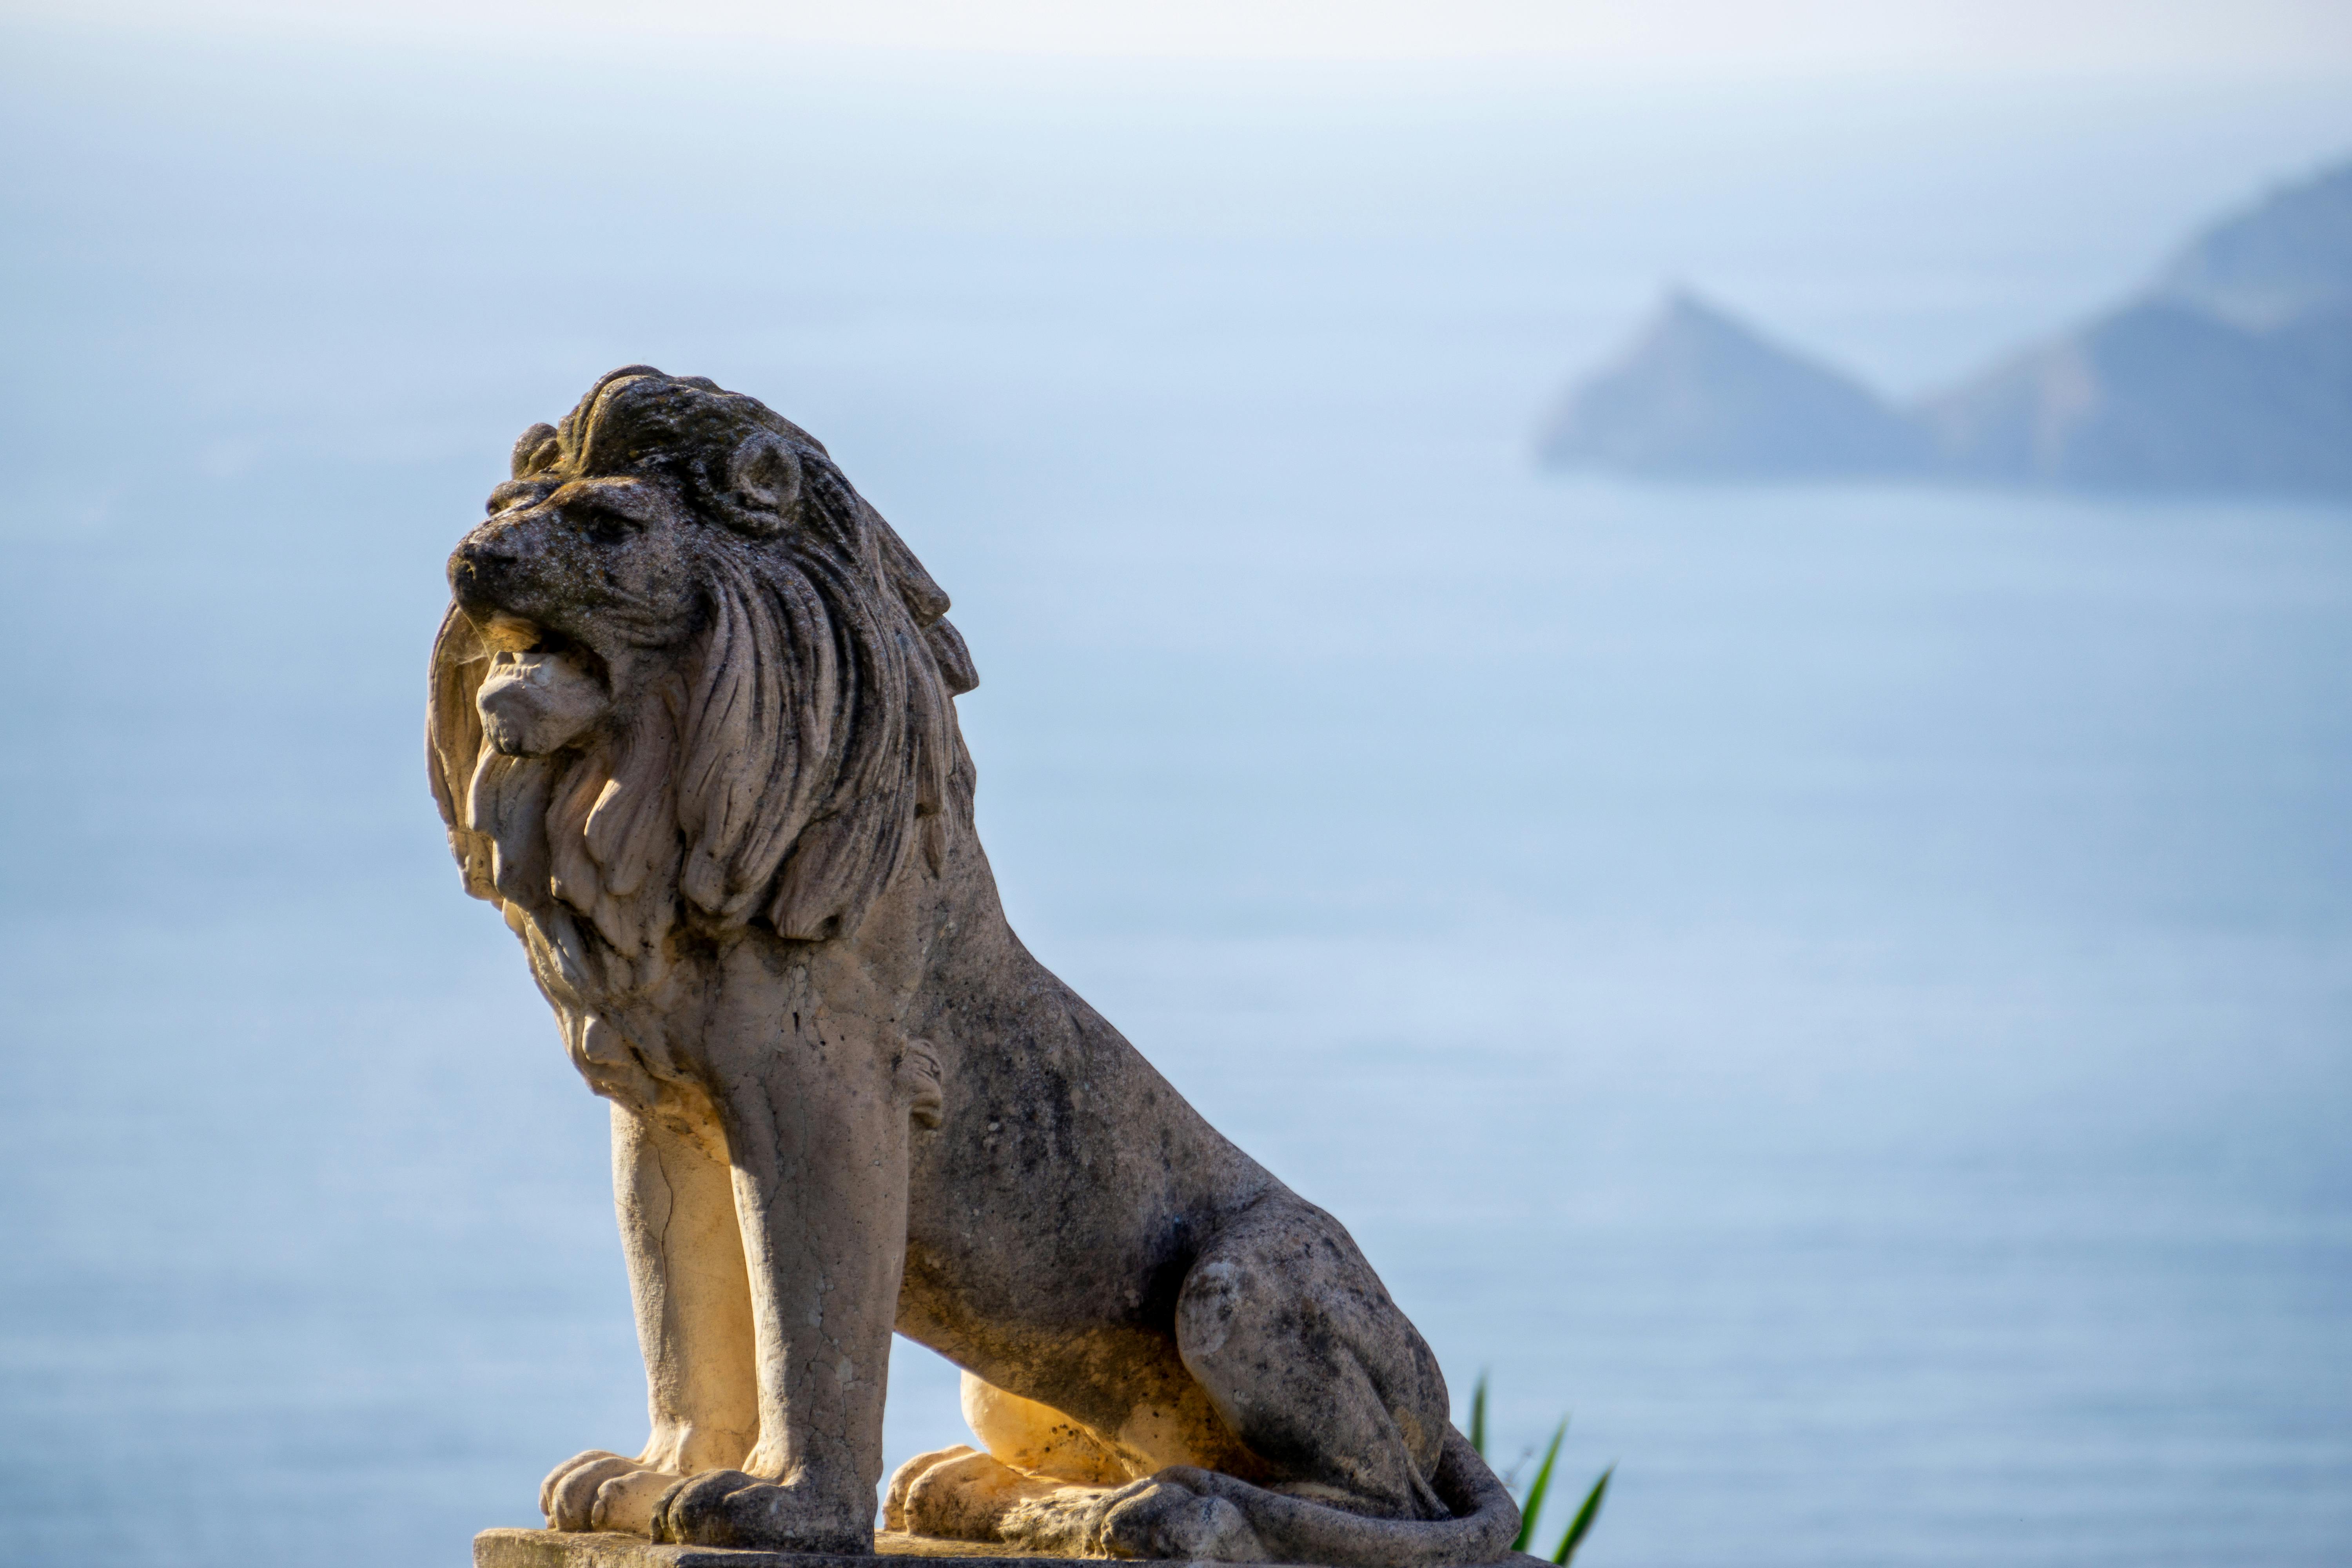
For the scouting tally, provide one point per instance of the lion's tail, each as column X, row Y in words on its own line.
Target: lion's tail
column 1484, row 1524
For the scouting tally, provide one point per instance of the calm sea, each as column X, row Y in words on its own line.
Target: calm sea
column 1847, row 991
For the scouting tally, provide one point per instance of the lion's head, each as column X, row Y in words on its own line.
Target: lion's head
column 690, row 678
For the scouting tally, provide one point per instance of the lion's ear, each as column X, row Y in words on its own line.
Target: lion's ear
column 764, row 480
column 535, row 451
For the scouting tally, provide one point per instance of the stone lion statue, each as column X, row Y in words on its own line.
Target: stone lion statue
column 693, row 732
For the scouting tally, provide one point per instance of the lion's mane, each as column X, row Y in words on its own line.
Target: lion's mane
column 800, row 737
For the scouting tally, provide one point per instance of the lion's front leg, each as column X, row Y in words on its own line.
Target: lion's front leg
column 818, row 1135
column 676, row 1202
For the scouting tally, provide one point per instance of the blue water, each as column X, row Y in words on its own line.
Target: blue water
column 1848, row 990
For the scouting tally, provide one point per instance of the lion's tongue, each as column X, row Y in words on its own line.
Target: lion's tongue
column 510, row 633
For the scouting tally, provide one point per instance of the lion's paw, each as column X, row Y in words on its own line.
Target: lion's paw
column 903, row 1479
column 728, row 1508
column 603, row 1490
column 1162, row 1518
column 973, row 1496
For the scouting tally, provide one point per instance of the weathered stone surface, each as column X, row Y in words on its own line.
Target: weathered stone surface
column 605, row 1549
column 692, row 730
column 608, row 1549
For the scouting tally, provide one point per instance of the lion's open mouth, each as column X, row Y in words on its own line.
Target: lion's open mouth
column 542, row 697
column 502, row 633
column 505, row 634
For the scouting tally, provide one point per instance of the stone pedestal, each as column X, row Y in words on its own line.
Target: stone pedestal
column 558, row 1549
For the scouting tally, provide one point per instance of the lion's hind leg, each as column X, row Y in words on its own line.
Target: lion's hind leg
column 1294, row 1339
column 1037, row 1438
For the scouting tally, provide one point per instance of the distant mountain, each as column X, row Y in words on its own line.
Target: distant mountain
column 2290, row 258
column 2160, row 396
column 1699, row 394
column 2232, row 372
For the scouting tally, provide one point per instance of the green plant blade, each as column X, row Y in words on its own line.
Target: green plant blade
column 1478, row 1416
column 1584, row 1518
column 1537, row 1487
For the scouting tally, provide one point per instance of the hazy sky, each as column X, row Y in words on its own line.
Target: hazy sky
column 1739, row 35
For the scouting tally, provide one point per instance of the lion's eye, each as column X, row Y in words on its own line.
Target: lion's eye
column 604, row 527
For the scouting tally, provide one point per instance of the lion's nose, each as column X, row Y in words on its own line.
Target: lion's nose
column 476, row 568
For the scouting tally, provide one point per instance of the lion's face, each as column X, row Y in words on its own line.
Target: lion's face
column 573, row 585
column 688, row 668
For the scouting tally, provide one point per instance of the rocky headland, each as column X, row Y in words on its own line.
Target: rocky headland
column 2230, row 372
